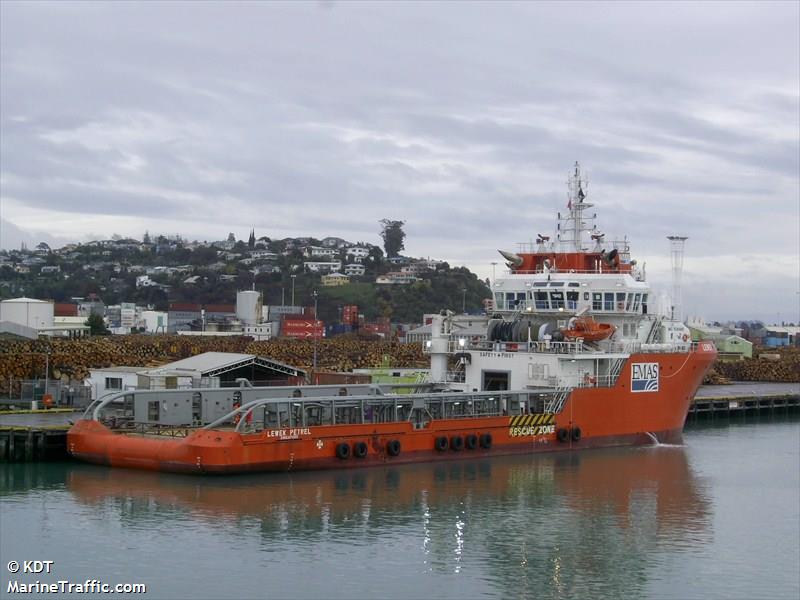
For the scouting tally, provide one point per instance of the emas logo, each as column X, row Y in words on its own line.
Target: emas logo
column 644, row 377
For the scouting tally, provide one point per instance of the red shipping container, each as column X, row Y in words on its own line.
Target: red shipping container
column 64, row 309
column 303, row 328
column 379, row 328
column 350, row 314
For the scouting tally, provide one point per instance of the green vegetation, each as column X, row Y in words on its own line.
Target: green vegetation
column 445, row 288
column 203, row 273
column 393, row 236
column 96, row 325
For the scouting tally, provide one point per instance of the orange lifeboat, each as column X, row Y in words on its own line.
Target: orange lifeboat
column 588, row 329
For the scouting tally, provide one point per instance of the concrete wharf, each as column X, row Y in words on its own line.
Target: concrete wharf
column 744, row 398
column 42, row 435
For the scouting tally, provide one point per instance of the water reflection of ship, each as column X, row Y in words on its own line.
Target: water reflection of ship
column 564, row 523
column 622, row 485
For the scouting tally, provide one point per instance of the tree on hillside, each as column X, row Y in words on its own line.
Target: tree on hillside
column 393, row 236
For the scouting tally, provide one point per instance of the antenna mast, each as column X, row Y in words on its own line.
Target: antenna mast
column 572, row 225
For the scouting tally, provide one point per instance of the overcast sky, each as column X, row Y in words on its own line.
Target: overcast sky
column 462, row 119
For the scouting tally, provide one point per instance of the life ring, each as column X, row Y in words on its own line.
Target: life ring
column 393, row 448
column 685, row 337
column 236, row 418
column 486, row 441
column 471, row 441
column 562, row 435
column 588, row 379
column 441, row 443
column 360, row 449
column 576, row 434
column 343, row 451
column 457, row 443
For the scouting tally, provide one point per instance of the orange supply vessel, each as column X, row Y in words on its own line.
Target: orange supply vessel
column 573, row 356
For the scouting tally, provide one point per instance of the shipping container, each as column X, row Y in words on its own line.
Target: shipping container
column 302, row 328
column 350, row 314
column 338, row 329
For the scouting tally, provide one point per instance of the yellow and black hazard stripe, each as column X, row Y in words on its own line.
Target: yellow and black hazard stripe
column 531, row 420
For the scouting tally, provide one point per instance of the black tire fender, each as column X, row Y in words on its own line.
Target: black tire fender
column 343, row 451
column 393, row 448
column 360, row 449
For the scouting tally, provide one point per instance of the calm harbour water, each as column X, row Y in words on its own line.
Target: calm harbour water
column 718, row 517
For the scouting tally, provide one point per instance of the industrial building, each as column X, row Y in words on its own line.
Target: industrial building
column 29, row 318
column 209, row 369
column 777, row 336
column 729, row 345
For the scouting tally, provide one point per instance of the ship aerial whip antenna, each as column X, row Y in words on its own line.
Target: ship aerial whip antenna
column 676, row 256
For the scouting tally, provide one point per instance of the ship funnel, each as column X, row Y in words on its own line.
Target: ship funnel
column 515, row 260
column 440, row 333
column 676, row 255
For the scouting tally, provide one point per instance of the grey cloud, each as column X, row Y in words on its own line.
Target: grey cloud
column 462, row 119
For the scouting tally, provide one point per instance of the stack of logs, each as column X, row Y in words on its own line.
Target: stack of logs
column 72, row 359
column 782, row 365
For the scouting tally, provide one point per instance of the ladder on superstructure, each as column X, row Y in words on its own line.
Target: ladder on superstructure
column 556, row 402
column 614, row 370
column 651, row 337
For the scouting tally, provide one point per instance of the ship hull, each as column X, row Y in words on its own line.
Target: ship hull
column 592, row 417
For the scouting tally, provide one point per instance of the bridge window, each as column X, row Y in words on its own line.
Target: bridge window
column 597, row 301
column 498, row 300
column 556, row 300
column 572, row 300
column 629, row 303
column 541, row 300
column 608, row 301
column 620, row 300
column 644, row 304
column 636, row 301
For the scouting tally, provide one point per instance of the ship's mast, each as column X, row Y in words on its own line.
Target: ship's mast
column 572, row 226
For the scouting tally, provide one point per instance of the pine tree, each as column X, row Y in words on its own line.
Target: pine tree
column 393, row 236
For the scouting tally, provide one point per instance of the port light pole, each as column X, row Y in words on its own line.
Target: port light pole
column 293, row 278
column 316, row 320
